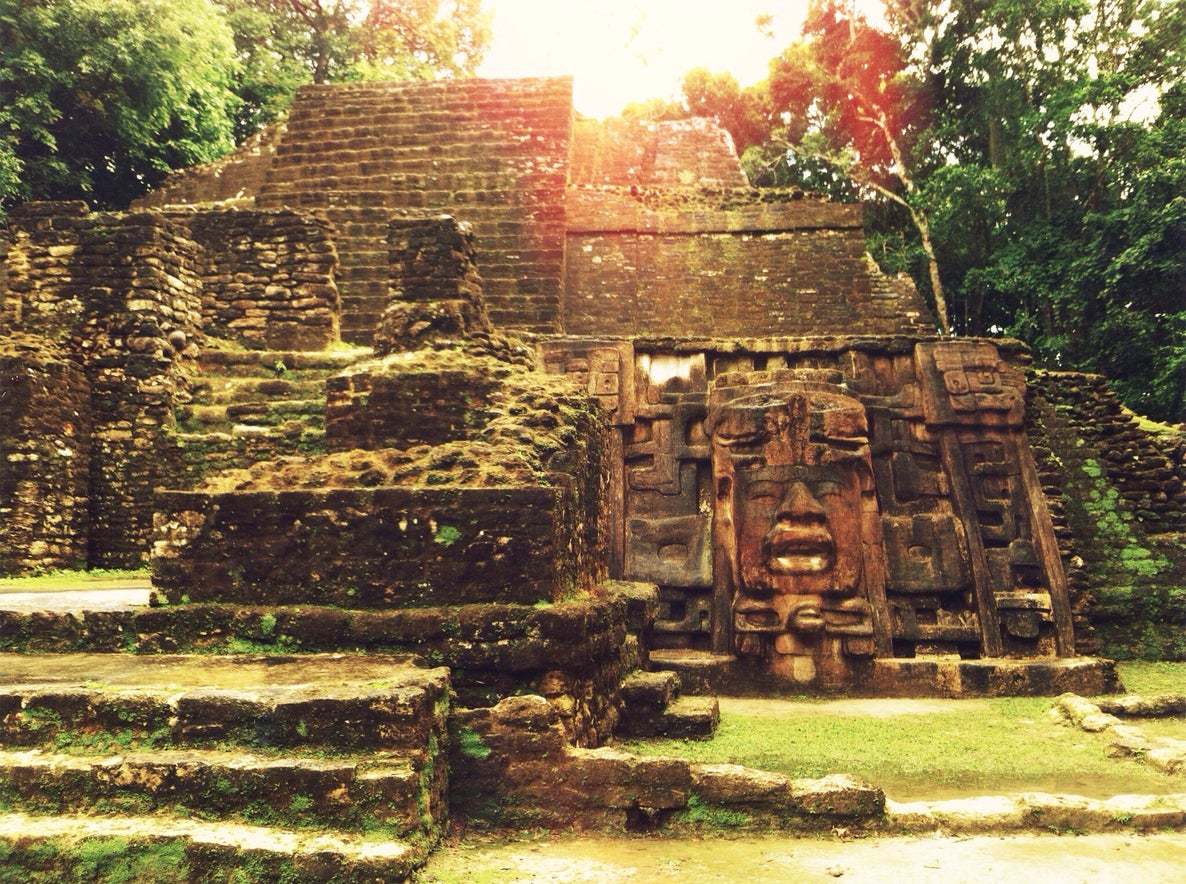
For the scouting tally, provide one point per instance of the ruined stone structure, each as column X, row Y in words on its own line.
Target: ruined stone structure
column 603, row 413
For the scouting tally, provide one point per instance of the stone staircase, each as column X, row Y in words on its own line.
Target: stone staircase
column 653, row 707
column 249, row 406
column 491, row 153
column 311, row 768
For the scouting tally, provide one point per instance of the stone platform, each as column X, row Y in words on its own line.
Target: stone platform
column 704, row 673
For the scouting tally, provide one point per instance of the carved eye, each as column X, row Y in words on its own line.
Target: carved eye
column 826, row 489
column 763, row 492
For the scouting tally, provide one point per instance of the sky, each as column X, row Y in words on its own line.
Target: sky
column 619, row 51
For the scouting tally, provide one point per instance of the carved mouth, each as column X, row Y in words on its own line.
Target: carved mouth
column 800, row 550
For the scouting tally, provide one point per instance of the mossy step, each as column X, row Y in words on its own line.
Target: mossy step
column 202, row 453
column 327, row 701
column 276, row 412
column 281, row 361
column 160, row 847
column 691, row 718
column 216, row 390
column 394, row 793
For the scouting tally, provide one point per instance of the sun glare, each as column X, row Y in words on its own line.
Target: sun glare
column 621, row 51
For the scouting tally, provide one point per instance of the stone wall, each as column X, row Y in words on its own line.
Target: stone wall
column 1121, row 493
column 122, row 295
column 383, row 547
column 45, row 447
column 436, row 292
column 268, row 277
column 702, row 265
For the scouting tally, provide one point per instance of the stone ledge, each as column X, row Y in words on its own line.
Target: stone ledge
column 221, row 848
column 1036, row 811
column 704, row 673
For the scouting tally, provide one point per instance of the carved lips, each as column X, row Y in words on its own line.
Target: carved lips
column 799, row 548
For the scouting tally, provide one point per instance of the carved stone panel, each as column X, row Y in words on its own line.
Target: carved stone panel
column 796, row 527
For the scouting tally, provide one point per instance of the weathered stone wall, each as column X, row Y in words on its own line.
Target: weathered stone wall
column 436, row 292
column 121, row 292
column 45, row 448
column 1121, row 492
column 703, row 265
column 382, row 547
column 406, row 405
column 494, row 153
column 268, row 277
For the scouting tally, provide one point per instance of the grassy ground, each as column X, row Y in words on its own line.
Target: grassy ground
column 932, row 750
column 53, row 580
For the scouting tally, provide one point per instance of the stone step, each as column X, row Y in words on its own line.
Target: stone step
column 74, row 847
column 691, row 718
column 319, row 701
column 653, row 707
column 472, row 640
column 239, row 447
column 288, row 386
column 274, row 413
column 352, row 793
column 279, row 362
column 645, row 692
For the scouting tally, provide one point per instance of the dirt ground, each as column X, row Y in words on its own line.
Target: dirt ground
column 930, row 859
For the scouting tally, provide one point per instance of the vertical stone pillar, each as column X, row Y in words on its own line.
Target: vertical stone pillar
column 45, row 447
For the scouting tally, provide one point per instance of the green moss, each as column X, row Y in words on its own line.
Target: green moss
column 106, row 860
column 472, row 745
column 447, row 535
column 700, row 813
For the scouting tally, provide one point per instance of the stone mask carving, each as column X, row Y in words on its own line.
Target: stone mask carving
column 795, row 518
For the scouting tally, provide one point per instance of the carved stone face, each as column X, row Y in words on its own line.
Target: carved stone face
column 794, row 499
column 799, row 529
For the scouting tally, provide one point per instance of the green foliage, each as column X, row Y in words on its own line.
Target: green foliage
column 284, row 44
column 702, row 814
column 1038, row 149
column 103, row 97
column 446, row 535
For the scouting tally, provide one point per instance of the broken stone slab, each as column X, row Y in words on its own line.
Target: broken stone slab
column 1037, row 811
column 1134, row 705
column 1085, row 714
column 838, row 797
column 739, row 786
column 1169, row 756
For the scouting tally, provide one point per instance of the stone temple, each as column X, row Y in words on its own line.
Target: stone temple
column 441, row 370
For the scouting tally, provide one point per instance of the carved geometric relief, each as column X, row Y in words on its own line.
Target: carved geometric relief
column 925, row 553
column 670, row 550
column 967, row 382
column 604, row 368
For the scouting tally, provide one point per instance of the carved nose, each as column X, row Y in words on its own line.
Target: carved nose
column 800, row 504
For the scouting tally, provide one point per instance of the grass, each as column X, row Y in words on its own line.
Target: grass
column 932, row 751
column 79, row 579
column 1150, row 679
